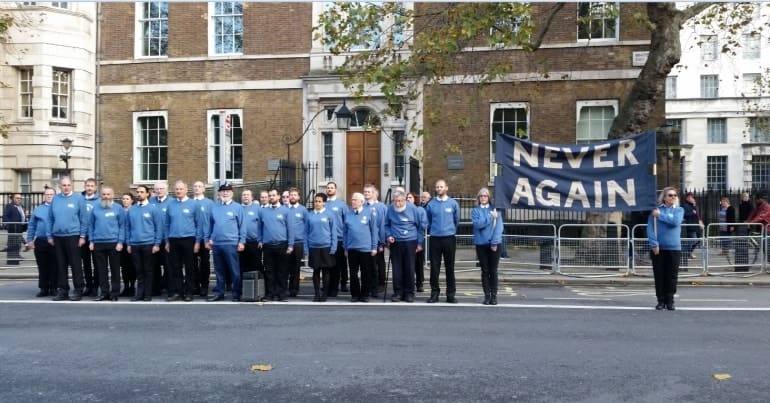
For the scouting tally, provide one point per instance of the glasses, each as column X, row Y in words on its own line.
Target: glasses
column 671, row 195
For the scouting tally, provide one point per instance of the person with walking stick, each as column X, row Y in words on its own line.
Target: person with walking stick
column 664, row 227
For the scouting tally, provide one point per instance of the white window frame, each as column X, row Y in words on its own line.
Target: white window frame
column 137, row 168
column 603, row 38
column 63, row 99
column 752, row 48
column 212, row 147
column 711, row 125
column 212, row 29
column 709, row 48
column 671, row 87
column 703, row 83
column 579, row 105
column 750, row 84
column 492, row 108
column 139, row 32
column 64, row 5
column 30, row 92
column 24, row 180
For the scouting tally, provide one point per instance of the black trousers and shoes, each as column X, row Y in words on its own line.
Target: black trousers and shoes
column 665, row 269
column 442, row 247
column 104, row 255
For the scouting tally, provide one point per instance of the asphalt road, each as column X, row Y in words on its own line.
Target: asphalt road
column 605, row 351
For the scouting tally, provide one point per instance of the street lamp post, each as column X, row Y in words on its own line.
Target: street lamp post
column 343, row 116
column 66, row 148
column 666, row 130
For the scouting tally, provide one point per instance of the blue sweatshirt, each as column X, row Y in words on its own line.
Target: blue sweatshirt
column 252, row 215
column 378, row 211
column 299, row 216
column 361, row 233
column 68, row 216
column 162, row 206
column 486, row 230
column 183, row 219
column 144, row 225
column 321, row 230
column 338, row 207
column 406, row 225
column 38, row 223
column 443, row 216
column 276, row 226
column 669, row 228
column 107, row 224
column 227, row 224
column 205, row 205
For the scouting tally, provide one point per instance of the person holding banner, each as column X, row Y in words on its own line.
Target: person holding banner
column 664, row 227
column 488, row 237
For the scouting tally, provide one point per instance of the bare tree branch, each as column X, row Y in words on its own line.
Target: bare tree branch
column 544, row 27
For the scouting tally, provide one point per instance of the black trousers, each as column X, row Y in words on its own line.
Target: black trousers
column 181, row 282
column 295, row 262
column 665, row 268
column 89, row 273
column 68, row 255
column 442, row 246
column 45, row 257
column 488, row 260
column 203, row 268
column 251, row 258
column 419, row 268
column 276, row 270
column 144, row 263
column 338, row 275
column 360, row 262
column 127, row 270
column 402, row 256
column 378, row 273
column 104, row 254
column 160, row 272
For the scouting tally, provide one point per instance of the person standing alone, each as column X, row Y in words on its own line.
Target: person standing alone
column 664, row 227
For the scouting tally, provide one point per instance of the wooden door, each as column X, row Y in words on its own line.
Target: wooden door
column 363, row 161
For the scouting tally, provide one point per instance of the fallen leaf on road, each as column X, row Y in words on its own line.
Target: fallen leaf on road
column 722, row 377
column 261, row 367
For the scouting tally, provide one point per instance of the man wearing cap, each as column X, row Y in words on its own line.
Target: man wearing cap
column 226, row 236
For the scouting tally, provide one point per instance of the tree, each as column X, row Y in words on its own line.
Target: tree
column 6, row 21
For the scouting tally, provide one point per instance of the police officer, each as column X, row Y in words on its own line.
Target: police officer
column 403, row 228
column 144, row 233
column 338, row 277
column 360, row 242
column 443, row 217
column 106, row 235
column 226, row 237
column 277, row 245
column 37, row 240
column 67, row 231
column 184, row 233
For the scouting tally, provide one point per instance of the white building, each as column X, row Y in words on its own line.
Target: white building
column 48, row 94
column 715, row 96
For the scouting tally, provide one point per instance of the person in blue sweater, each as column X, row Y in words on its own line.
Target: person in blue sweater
column 664, row 227
column 251, row 257
column 161, row 271
column 299, row 217
column 106, row 236
column 443, row 217
column 203, row 257
column 144, row 234
column 404, row 228
column 320, row 245
column 226, row 237
column 37, row 240
column 67, row 231
column 277, row 244
column 90, row 274
column 338, row 277
column 487, row 237
column 184, row 232
column 360, row 240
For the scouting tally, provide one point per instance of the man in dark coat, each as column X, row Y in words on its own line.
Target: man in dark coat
column 14, row 220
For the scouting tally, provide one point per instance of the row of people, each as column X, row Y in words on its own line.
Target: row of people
column 343, row 243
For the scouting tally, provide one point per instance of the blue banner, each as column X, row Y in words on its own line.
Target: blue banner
column 615, row 175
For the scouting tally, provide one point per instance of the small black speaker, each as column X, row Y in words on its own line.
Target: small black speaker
column 253, row 284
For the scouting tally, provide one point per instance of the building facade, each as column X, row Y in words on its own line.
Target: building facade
column 717, row 97
column 49, row 77
column 173, row 76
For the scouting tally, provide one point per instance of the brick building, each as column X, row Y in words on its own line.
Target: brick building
column 169, row 73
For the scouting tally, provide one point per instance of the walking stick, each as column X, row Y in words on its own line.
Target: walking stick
column 387, row 271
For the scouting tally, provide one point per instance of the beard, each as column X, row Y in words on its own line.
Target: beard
column 106, row 203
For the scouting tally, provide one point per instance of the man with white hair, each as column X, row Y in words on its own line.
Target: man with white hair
column 67, row 231
column 360, row 241
column 184, row 232
column 160, row 272
column 403, row 231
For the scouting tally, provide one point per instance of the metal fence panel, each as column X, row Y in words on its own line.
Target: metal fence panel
column 735, row 254
column 593, row 256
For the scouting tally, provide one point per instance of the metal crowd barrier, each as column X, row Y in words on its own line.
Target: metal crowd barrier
column 737, row 253
column 13, row 247
column 604, row 254
column 526, row 253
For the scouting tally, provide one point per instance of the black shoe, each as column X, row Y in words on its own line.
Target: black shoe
column 283, row 299
column 204, row 294
column 660, row 306
column 493, row 300
column 126, row 292
column 409, row 298
column 147, row 299
column 62, row 296
column 42, row 293
column 395, row 298
column 101, row 298
column 363, row 299
column 114, row 298
column 420, row 289
column 137, row 298
column 293, row 294
column 215, row 298
column 323, row 298
column 188, row 298
column 374, row 294
column 174, row 298
column 332, row 295
column 486, row 300
column 317, row 298
column 451, row 300
column 433, row 298
column 344, row 288
column 76, row 296
column 235, row 299
column 87, row 292
column 670, row 306
column 354, row 299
